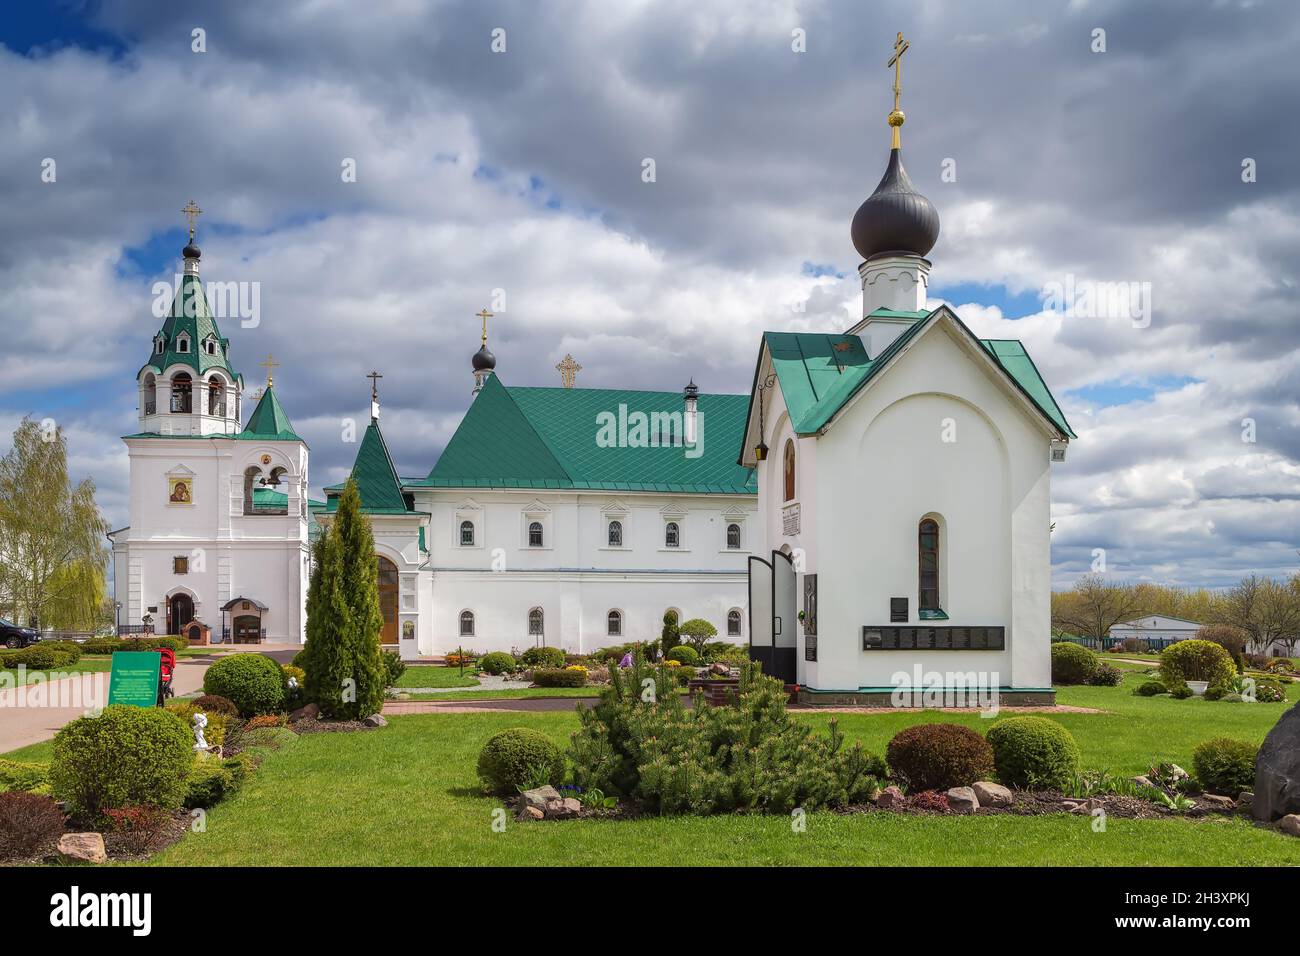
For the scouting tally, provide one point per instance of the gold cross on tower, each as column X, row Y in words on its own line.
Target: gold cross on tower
column 270, row 365
column 568, row 370
column 897, row 117
column 484, row 314
column 192, row 212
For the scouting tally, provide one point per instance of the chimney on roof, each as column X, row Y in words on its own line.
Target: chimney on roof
column 690, row 420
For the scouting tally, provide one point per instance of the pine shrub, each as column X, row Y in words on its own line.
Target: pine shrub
column 254, row 683
column 394, row 668
column 25, row 777
column 939, row 756
column 559, row 677
column 126, row 755
column 1033, row 753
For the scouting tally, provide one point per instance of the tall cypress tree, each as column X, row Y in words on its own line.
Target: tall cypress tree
column 327, row 626
column 360, row 594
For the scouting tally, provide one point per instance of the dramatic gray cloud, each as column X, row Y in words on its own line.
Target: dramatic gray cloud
column 522, row 171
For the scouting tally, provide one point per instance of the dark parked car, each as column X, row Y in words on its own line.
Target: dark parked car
column 13, row 636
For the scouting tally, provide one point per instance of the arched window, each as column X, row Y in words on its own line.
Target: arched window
column 150, row 394
column 467, row 534
column 614, row 624
column 733, row 537
column 466, row 623
column 181, row 386
column 672, row 535
column 928, row 553
column 733, row 622
column 182, row 344
column 389, row 586
column 616, row 534
column 216, row 396
column 535, row 622
column 535, row 534
column 789, row 469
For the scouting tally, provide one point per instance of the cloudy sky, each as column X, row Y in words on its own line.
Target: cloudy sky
column 522, row 170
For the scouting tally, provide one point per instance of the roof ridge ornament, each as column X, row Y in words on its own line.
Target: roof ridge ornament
column 897, row 116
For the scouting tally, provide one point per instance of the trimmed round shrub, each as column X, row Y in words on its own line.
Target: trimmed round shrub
column 497, row 662
column 39, row 658
column 1033, row 753
column 684, row 655
column 1150, row 688
column 27, row 822
column 939, row 756
column 517, row 758
column 1196, row 660
column 1225, row 766
column 542, row 657
column 1181, row 692
column 216, row 704
column 559, row 677
column 1106, row 675
column 1072, row 664
column 71, row 648
column 252, row 682
column 125, row 756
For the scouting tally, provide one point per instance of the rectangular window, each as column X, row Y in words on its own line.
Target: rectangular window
column 180, row 565
column 898, row 610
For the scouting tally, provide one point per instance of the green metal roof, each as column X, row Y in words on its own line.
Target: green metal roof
column 547, row 438
column 819, row 373
column 269, row 420
column 376, row 478
column 190, row 314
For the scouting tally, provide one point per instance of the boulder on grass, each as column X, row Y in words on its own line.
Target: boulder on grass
column 1290, row 824
column 83, row 847
column 962, row 800
column 1277, row 770
column 891, row 796
column 992, row 794
column 532, row 813
column 538, row 798
column 375, row 720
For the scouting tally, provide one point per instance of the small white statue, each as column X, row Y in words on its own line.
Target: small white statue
column 200, row 721
column 293, row 683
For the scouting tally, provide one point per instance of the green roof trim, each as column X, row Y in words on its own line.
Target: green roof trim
column 547, row 439
column 269, row 421
column 819, row 373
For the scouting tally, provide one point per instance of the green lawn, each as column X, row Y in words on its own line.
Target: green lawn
column 511, row 694
column 424, row 676
column 407, row 794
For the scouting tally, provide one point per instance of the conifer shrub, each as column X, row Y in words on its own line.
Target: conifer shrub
column 1195, row 660
column 1181, row 692
column 640, row 742
column 1225, row 766
column 1072, row 663
column 939, row 756
column 1033, row 753
column 126, row 755
column 394, row 668
column 25, row 777
column 1150, row 688
column 519, row 758
column 668, row 637
column 252, row 682
column 559, row 677
column 542, row 657
column 497, row 662
column 684, row 655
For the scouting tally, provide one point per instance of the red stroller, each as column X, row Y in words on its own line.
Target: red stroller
column 165, row 671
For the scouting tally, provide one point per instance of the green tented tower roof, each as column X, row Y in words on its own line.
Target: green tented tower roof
column 520, row 437
column 376, row 478
column 269, row 420
column 190, row 319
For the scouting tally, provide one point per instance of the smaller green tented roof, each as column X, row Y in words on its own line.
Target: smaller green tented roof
column 269, row 420
column 376, row 478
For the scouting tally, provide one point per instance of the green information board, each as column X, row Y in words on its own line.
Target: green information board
column 134, row 679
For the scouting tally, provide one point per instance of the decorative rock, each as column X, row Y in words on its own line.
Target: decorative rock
column 963, row 800
column 538, row 798
column 572, row 806
column 891, row 796
column 1227, row 803
column 992, row 794
column 1143, row 781
column 1177, row 773
column 1245, row 798
column 1290, row 824
column 532, row 813
column 309, row 712
column 1277, row 770
column 562, row 809
column 375, row 720
column 1087, row 806
column 719, row 668
column 83, row 847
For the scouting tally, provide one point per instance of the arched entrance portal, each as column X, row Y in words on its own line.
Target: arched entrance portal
column 388, row 589
column 180, row 611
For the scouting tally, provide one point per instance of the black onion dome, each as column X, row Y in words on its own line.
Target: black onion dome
column 484, row 359
column 895, row 218
column 191, row 251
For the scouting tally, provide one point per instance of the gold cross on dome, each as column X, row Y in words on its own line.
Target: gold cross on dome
column 484, row 314
column 192, row 212
column 270, row 365
column 896, row 61
column 568, row 370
